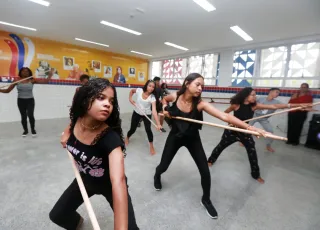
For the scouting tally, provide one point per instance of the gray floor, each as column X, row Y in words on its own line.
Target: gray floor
column 35, row 171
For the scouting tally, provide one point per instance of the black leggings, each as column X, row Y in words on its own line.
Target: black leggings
column 194, row 145
column 230, row 137
column 295, row 126
column 134, row 124
column 26, row 108
column 64, row 211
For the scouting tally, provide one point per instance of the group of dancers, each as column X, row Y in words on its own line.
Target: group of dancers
column 95, row 139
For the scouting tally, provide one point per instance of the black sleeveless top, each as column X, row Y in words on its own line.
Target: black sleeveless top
column 244, row 112
column 184, row 128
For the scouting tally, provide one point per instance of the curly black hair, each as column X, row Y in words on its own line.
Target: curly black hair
column 29, row 70
column 84, row 98
column 240, row 97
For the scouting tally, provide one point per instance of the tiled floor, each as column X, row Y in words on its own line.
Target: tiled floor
column 35, row 171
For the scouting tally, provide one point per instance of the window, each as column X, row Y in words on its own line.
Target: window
column 283, row 66
column 243, row 67
column 156, row 69
column 210, row 66
column 305, row 60
column 273, row 62
column 174, row 71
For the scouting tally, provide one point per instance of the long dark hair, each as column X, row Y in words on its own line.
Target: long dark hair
column 84, row 98
column 190, row 78
column 240, row 97
column 145, row 87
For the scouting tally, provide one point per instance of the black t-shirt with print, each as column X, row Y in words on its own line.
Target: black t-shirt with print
column 92, row 161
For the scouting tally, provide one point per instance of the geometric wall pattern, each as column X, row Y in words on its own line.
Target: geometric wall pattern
column 273, row 62
column 243, row 67
column 305, row 60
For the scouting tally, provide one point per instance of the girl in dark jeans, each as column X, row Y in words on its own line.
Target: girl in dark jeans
column 187, row 103
column 95, row 140
column 145, row 103
column 26, row 101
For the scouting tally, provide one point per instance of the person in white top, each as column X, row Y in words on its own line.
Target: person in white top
column 145, row 104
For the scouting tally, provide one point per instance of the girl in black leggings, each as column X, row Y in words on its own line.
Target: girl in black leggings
column 95, row 141
column 145, row 104
column 187, row 103
column 26, row 101
column 244, row 104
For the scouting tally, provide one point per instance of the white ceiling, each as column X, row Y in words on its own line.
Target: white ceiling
column 178, row 21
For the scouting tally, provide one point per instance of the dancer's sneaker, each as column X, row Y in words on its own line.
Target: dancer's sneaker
column 34, row 133
column 25, row 133
column 211, row 211
column 157, row 183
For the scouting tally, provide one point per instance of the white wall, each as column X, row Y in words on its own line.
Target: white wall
column 226, row 68
column 51, row 102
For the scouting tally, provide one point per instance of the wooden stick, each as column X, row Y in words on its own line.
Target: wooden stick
column 283, row 111
column 230, row 128
column 6, row 86
column 221, row 98
column 84, row 194
column 146, row 116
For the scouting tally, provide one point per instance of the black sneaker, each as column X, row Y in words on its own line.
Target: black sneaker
column 211, row 211
column 34, row 133
column 157, row 183
column 25, row 133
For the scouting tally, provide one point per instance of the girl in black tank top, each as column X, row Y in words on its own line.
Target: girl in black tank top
column 244, row 104
column 187, row 103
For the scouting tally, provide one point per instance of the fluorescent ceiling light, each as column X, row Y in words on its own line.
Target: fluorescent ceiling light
column 120, row 27
column 241, row 33
column 41, row 2
column 205, row 5
column 14, row 25
column 136, row 52
column 176, row 46
column 96, row 43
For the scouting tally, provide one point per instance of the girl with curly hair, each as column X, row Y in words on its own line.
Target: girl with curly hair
column 244, row 105
column 95, row 140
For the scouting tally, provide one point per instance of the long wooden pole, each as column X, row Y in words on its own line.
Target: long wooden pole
column 146, row 116
column 84, row 194
column 280, row 112
column 230, row 128
column 13, row 83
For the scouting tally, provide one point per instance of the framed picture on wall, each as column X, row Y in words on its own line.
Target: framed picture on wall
column 96, row 65
column 132, row 72
column 107, row 71
column 68, row 63
column 141, row 76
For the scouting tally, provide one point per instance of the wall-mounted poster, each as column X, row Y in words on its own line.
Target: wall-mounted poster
column 132, row 72
column 68, row 63
column 119, row 77
column 141, row 76
column 96, row 66
column 44, row 69
column 107, row 70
